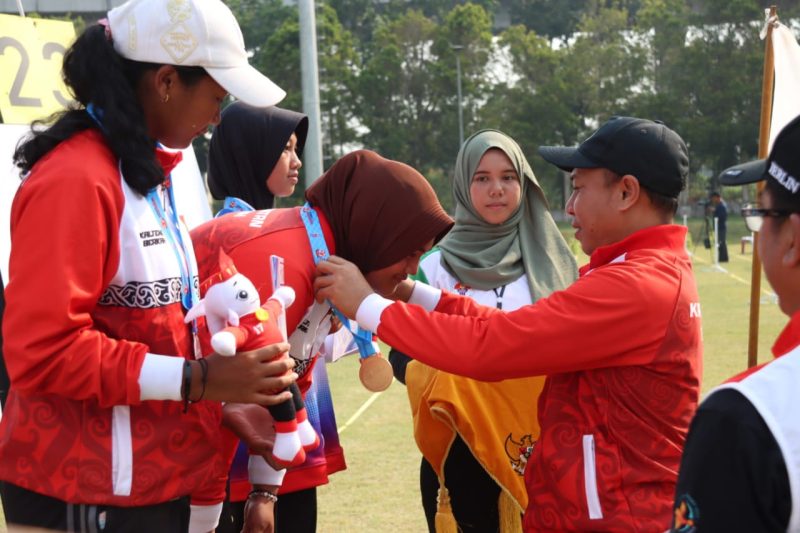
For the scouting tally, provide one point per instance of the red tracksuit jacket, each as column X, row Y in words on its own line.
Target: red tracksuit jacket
column 93, row 291
column 622, row 351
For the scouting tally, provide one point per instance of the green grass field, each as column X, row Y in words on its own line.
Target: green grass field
column 379, row 490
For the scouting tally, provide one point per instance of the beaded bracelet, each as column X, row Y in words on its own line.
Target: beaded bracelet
column 271, row 496
column 187, row 384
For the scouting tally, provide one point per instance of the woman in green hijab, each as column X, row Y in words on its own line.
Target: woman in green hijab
column 504, row 250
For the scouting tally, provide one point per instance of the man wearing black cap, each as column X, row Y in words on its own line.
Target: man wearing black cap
column 620, row 347
column 740, row 470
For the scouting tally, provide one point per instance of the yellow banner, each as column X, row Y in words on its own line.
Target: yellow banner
column 31, row 52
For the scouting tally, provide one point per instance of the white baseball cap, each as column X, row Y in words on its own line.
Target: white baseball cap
column 199, row 33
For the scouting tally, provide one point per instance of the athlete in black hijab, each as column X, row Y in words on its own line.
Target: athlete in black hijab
column 248, row 146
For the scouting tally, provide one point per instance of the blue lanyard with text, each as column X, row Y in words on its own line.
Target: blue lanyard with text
column 182, row 248
column 319, row 250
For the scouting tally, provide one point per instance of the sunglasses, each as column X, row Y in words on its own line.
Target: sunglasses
column 754, row 215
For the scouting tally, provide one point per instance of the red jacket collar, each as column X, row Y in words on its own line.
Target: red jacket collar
column 786, row 341
column 168, row 160
column 665, row 236
column 789, row 337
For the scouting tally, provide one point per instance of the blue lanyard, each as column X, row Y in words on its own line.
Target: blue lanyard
column 233, row 205
column 181, row 247
column 190, row 292
column 96, row 114
column 319, row 251
column 170, row 227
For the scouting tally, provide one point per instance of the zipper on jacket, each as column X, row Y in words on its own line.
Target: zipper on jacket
column 590, row 479
column 121, row 450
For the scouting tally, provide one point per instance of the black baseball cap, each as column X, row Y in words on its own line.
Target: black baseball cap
column 646, row 149
column 781, row 167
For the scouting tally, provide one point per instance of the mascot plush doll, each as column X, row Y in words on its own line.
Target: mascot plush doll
column 238, row 322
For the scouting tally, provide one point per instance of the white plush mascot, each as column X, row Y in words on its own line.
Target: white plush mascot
column 238, row 322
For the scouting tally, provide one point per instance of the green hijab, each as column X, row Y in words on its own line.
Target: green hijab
column 486, row 256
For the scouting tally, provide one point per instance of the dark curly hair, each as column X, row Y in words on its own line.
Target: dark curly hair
column 97, row 74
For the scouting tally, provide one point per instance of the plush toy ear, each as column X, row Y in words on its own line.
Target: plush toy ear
column 233, row 318
column 198, row 309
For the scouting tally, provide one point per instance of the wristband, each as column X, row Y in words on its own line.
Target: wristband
column 187, row 384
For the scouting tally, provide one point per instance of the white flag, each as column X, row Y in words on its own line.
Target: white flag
column 785, row 100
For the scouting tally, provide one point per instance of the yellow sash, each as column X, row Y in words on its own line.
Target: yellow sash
column 496, row 420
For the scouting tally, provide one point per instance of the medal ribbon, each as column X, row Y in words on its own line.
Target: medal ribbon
column 319, row 251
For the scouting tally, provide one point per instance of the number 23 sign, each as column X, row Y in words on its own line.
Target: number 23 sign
column 31, row 52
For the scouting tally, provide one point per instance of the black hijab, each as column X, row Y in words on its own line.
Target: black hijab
column 245, row 147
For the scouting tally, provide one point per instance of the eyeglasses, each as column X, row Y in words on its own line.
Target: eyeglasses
column 754, row 215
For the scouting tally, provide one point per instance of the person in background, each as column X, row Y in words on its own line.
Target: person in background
column 254, row 156
column 504, row 251
column 621, row 347
column 104, row 427
column 719, row 211
column 383, row 215
column 740, row 469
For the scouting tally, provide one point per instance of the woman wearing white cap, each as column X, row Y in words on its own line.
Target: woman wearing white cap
column 103, row 429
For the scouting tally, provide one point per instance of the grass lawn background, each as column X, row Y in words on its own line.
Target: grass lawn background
column 379, row 490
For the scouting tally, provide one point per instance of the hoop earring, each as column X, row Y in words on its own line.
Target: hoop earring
column 165, row 98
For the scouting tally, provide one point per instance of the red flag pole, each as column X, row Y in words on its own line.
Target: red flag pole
column 767, row 85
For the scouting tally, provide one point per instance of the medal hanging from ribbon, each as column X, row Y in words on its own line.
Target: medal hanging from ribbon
column 375, row 372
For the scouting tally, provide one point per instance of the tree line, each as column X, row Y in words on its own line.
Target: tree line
column 550, row 76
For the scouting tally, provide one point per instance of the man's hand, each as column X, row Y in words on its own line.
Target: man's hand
column 247, row 377
column 340, row 282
